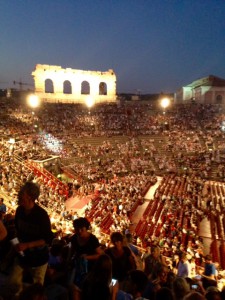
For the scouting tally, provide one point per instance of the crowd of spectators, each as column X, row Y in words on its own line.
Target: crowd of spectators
column 114, row 153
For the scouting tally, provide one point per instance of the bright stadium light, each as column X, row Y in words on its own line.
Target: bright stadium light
column 33, row 101
column 165, row 102
column 89, row 102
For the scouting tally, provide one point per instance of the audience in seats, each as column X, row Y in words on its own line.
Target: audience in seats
column 117, row 173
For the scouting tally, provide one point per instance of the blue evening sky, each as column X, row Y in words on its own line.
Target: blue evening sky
column 152, row 45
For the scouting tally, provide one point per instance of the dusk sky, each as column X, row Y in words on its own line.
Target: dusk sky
column 152, row 45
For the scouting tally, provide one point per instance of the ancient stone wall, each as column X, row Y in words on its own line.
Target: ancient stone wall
column 55, row 84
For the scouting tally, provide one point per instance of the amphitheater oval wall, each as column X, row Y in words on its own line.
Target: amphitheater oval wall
column 51, row 81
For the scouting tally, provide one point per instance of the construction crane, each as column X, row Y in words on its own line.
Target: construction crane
column 21, row 84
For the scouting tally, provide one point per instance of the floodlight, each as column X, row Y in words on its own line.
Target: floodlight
column 89, row 102
column 165, row 102
column 33, row 101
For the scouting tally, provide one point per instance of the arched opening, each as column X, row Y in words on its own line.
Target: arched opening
column 219, row 99
column 67, row 89
column 49, row 87
column 102, row 88
column 85, row 88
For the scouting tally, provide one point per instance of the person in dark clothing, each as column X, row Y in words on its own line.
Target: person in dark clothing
column 152, row 260
column 209, row 275
column 134, row 286
column 3, row 230
column 33, row 229
column 85, row 249
column 98, row 284
column 33, row 292
column 122, row 259
column 2, row 206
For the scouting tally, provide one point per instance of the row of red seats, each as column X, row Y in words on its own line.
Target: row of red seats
column 147, row 187
column 214, row 251
column 91, row 214
column 49, row 179
column 106, row 223
column 95, row 212
column 151, row 208
column 143, row 230
column 135, row 206
column 138, row 227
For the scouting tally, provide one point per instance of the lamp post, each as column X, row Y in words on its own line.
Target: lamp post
column 90, row 103
column 165, row 102
column 33, row 102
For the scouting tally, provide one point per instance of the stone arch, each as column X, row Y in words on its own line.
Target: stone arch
column 85, row 88
column 102, row 88
column 219, row 99
column 67, row 88
column 57, row 84
column 49, row 86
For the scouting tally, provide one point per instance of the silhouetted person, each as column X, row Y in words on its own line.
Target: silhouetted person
column 34, row 234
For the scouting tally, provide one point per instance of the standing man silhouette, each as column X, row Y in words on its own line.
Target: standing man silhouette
column 34, row 234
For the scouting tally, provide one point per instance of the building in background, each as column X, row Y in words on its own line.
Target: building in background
column 209, row 89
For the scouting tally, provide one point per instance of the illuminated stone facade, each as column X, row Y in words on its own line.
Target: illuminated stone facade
column 209, row 89
column 55, row 84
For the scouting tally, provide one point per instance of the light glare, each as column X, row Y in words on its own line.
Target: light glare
column 89, row 102
column 33, row 101
column 165, row 102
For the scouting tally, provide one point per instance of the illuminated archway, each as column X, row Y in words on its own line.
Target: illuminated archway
column 67, row 88
column 85, row 88
column 49, row 87
column 102, row 88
